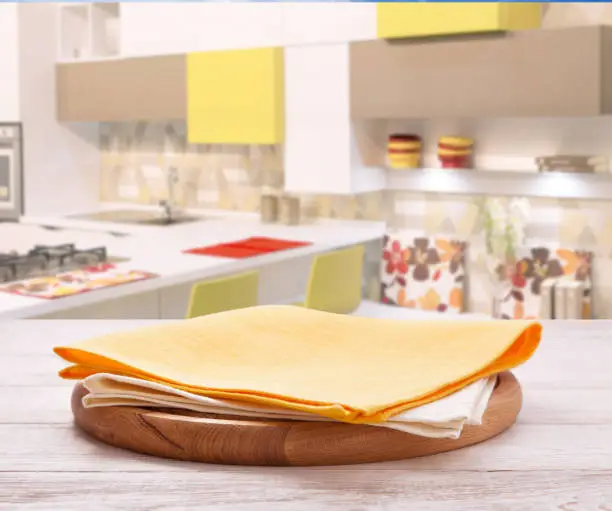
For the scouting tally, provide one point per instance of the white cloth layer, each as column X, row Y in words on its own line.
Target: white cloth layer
column 444, row 418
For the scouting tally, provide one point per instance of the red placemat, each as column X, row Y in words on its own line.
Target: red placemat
column 224, row 251
column 249, row 247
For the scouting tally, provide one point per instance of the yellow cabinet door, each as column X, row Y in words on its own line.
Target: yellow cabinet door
column 235, row 97
column 416, row 19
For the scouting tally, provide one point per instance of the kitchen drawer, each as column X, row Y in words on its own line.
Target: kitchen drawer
column 138, row 306
column 416, row 19
column 236, row 97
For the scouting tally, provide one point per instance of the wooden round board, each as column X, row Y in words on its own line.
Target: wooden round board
column 246, row 441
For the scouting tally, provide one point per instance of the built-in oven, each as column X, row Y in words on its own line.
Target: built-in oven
column 11, row 172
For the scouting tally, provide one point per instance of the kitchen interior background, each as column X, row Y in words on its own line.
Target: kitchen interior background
column 226, row 177
column 132, row 156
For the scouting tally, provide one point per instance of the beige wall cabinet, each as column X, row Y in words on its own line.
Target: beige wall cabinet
column 533, row 73
column 115, row 90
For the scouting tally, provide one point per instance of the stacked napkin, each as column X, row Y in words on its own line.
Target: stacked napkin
column 444, row 418
column 426, row 378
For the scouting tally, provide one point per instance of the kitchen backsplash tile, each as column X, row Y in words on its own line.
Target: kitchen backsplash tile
column 230, row 177
column 134, row 156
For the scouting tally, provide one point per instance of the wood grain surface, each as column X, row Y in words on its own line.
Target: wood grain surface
column 558, row 456
column 220, row 439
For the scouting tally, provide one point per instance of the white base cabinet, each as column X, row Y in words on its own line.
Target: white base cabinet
column 140, row 306
column 172, row 302
column 279, row 283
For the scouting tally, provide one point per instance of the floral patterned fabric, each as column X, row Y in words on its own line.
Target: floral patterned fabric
column 423, row 273
column 520, row 297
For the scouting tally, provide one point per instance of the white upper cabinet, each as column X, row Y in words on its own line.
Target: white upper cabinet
column 167, row 28
column 321, row 153
column 321, row 23
column 9, row 56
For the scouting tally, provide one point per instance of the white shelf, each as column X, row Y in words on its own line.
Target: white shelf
column 105, row 29
column 89, row 31
column 74, row 40
column 560, row 185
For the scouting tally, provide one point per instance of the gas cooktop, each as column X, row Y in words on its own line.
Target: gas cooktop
column 44, row 260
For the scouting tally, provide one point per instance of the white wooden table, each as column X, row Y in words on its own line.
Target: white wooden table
column 558, row 456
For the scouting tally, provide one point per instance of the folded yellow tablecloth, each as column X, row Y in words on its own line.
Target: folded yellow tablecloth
column 358, row 370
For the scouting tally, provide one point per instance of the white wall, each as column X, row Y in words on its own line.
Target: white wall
column 61, row 161
column 9, row 60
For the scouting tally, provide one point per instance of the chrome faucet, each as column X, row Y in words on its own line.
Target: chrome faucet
column 169, row 206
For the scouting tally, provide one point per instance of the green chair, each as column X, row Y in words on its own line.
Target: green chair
column 335, row 279
column 227, row 293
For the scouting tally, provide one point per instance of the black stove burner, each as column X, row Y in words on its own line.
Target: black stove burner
column 47, row 259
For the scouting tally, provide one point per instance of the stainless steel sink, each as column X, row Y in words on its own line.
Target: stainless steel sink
column 131, row 216
column 169, row 221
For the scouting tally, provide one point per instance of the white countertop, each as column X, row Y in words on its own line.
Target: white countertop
column 558, row 456
column 158, row 250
